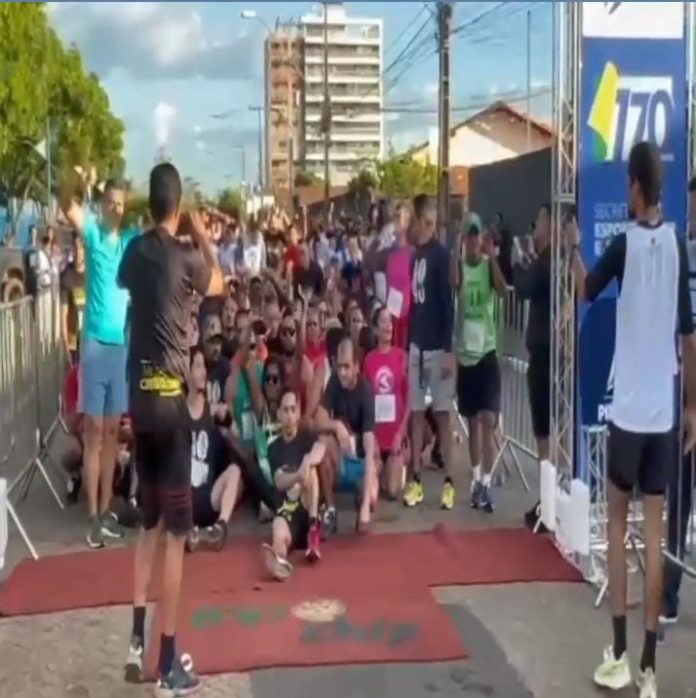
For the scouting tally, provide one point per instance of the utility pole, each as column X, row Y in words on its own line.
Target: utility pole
column 529, row 80
column 326, row 115
column 260, row 110
column 444, row 26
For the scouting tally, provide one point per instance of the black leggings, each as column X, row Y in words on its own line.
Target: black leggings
column 258, row 487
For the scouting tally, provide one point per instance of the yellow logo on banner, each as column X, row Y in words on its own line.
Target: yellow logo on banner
column 627, row 109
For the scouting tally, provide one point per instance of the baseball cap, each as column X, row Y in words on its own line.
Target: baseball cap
column 473, row 224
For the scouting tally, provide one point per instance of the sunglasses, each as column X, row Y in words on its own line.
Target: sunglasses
column 312, row 323
column 287, row 331
column 272, row 378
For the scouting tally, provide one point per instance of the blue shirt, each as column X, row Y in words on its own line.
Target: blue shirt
column 107, row 304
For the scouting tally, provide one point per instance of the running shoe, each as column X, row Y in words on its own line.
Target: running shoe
column 329, row 522
column 278, row 567
column 216, row 535
column 669, row 618
column 180, row 681
column 134, row 663
column 110, row 527
column 531, row 518
column 193, row 540
column 414, row 494
column 73, row 487
column 447, row 499
column 647, row 684
column 486, row 500
column 95, row 536
column 476, row 489
column 313, row 552
column 613, row 673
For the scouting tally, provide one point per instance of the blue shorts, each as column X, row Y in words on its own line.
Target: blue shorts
column 352, row 473
column 103, row 387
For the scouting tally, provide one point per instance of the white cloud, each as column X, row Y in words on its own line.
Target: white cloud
column 154, row 40
column 163, row 116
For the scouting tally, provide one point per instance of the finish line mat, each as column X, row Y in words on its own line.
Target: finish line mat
column 281, row 626
column 390, row 562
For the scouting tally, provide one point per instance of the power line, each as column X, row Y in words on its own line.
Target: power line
column 405, row 30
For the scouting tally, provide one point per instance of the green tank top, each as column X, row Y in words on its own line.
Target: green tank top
column 243, row 407
column 477, row 309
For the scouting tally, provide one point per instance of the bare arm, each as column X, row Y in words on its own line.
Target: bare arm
column 216, row 284
column 499, row 282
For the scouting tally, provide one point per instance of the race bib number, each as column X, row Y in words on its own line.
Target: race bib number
column 395, row 302
column 247, row 426
column 474, row 336
column 199, row 472
column 385, row 409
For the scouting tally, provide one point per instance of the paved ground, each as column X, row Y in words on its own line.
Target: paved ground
column 524, row 640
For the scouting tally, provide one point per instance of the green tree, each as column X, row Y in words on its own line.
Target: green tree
column 401, row 177
column 44, row 84
column 307, row 179
column 231, row 202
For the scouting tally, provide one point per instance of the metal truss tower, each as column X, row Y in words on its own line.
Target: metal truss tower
column 567, row 18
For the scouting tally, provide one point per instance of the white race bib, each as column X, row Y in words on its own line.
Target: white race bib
column 199, row 472
column 380, row 286
column 385, row 409
column 247, row 426
column 395, row 302
column 474, row 336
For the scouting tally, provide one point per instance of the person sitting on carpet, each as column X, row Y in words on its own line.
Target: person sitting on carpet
column 347, row 416
column 215, row 475
column 294, row 458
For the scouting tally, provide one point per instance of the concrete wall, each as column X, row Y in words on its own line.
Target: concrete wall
column 515, row 187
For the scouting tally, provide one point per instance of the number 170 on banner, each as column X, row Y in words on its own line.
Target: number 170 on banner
column 627, row 109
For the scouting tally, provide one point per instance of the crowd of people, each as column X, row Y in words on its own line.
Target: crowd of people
column 284, row 361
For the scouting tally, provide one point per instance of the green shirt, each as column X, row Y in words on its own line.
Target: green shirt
column 476, row 326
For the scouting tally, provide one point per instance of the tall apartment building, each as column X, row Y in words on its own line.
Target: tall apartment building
column 355, row 55
column 284, row 69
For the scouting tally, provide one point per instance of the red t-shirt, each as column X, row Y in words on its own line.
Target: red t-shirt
column 316, row 353
column 292, row 256
column 71, row 391
column 386, row 372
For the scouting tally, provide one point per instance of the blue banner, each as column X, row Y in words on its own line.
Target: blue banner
column 633, row 88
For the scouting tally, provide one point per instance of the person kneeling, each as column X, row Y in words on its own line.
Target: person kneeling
column 215, row 477
column 294, row 458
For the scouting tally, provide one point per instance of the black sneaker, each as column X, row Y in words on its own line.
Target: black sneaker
column 485, row 500
column 134, row 663
column 72, row 490
column 476, row 495
column 216, row 535
column 669, row 618
column 329, row 522
column 180, row 681
column 531, row 518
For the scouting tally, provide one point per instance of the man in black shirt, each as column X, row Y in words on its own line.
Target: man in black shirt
column 294, row 458
column 347, row 413
column 307, row 276
column 531, row 273
column 431, row 363
column 161, row 273
column 217, row 366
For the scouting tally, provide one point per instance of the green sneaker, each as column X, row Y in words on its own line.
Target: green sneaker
column 95, row 537
column 613, row 673
column 110, row 527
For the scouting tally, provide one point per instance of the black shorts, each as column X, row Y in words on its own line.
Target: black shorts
column 478, row 387
column 297, row 519
column 642, row 461
column 163, row 464
column 539, row 388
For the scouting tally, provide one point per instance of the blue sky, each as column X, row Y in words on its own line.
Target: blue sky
column 170, row 67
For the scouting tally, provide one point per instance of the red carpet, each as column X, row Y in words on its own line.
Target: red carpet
column 379, row 562
column 259, row 629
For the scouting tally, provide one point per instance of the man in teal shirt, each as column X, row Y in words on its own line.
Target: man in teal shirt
column 103, row 390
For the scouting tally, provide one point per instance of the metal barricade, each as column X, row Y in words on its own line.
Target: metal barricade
column 30, row 389
column 516, row 434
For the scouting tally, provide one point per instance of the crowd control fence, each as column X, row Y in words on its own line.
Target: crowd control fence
column 31, row 382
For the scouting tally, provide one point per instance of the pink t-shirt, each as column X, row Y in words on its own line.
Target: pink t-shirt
column 386, row 372
column 399, row 276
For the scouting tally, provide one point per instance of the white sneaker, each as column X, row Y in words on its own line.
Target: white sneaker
column 647, row 684
column 613, row 673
